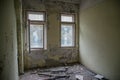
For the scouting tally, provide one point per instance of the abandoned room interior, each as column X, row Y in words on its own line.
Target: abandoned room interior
column 60, row 40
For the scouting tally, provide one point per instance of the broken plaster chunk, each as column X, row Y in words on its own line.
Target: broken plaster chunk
column 98, row 76
column 79, row 77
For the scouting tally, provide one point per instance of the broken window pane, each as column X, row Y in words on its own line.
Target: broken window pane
column 67, row 35
column 36, row 36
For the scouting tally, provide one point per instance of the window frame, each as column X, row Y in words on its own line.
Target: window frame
column 37, row 22
column 68, row 14
column 37, row 12
column 74, row 28
column 42, row 35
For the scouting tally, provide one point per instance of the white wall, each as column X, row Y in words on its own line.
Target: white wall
column 100, row 38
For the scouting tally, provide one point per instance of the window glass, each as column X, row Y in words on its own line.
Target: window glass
column 67, row 18
column 36, row 36
column 36, row 17
column 67, row 35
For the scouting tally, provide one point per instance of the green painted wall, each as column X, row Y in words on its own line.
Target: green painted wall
column 18, row 10
column 100, row 38
column 8, row 41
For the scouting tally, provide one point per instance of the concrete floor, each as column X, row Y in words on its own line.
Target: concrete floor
column 59, row 73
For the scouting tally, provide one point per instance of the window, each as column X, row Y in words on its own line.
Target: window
column 36, row 21
column 67, row 18
column 36, row 36
column 36, row 16
column 67, row 30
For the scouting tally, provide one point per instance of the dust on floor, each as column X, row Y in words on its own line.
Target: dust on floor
column 75, row 72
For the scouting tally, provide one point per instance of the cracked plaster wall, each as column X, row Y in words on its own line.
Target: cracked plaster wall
column 54, row 55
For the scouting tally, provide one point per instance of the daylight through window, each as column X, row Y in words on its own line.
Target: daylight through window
column 36, row 29
column 67, row 30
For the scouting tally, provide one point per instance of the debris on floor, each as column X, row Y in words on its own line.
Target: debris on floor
column 79, row 77
column 100, row 77
column 75, row 72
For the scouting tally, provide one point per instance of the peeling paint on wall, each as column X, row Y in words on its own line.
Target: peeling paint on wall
column 18, row 9
column 51, row 58
column 54, row 55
